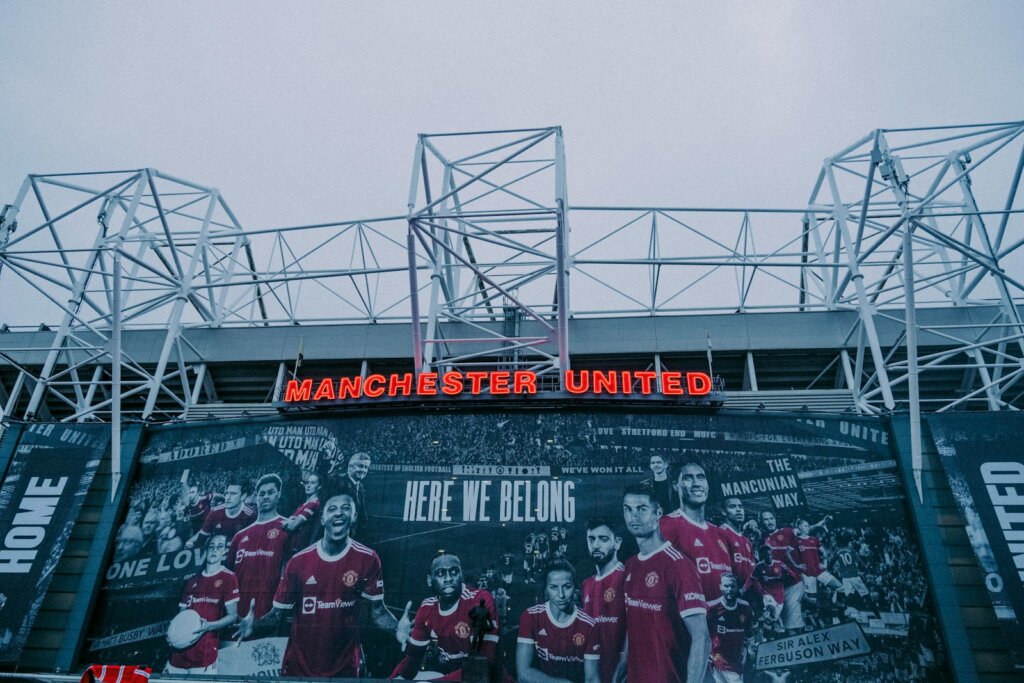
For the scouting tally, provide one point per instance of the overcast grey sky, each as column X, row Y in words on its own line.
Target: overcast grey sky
column 304, row 112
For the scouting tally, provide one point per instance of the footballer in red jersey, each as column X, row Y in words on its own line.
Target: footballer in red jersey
column 808, row 554
column 729, row 620
column 666, row 627
column 603, row 594
column 692, row 535
column 445, row 619
column 770, row 580
column 227, row 519
column 301, row 525
column 555, row 638
column 257, row 551
column 782, row 542
column 741, row 550
column 324, row 585
column 197, row 508
column 213, row 593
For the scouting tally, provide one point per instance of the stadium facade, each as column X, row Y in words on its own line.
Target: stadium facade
column 864, row 354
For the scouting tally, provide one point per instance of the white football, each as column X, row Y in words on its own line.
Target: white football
column 183, row 631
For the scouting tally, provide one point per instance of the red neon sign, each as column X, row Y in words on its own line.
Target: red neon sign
column 497, row 383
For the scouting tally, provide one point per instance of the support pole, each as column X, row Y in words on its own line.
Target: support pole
column 916, row 458
column 115, row 376
column 562, row 259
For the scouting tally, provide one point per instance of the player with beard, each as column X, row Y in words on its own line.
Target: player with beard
column 604, row 593
column 328, row 581
column 213, row 593
column 557, row 642
column 445, row 619
column 257, row 551
column 229, row 518
column 666, row 627
column 729, row 620
column 692, row 535
column 741, row 550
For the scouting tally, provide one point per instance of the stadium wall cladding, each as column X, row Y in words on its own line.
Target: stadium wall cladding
column 355, row 544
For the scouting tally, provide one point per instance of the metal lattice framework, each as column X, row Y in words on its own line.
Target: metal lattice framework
column 481, row 264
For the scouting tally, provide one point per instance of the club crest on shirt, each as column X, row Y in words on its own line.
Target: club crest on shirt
column 462, row 629
column 651, row 580
column 218, row 583
column 273, row 533
column 578, row 639
column 350, row 577
column 609, row 594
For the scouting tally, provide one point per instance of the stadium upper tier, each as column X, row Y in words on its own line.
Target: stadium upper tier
column 786, row 360
column 898, row 284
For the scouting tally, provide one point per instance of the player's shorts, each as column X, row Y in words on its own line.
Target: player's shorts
column 195, row 670
column 811, row 583
column 772, row 606
column 717, row 676
column 826, row 579
column 792, row 612
column 855, row 584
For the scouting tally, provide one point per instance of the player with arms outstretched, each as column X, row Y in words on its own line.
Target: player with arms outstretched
column 444, row 618
column 327, row 583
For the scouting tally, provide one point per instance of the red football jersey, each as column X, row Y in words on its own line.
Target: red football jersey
column 808, row 553
column 728, row 627
column 452, row 632
column 559, row 649
column 255, row 555
column 324, row 641
column 197, row 512
column 772, row 580
column 704, row 544
column 741, row 550
column 661, row 589
column 218, row 521
column 604, row 599
column 783, row 544
column 207, row 595
column 303, row 536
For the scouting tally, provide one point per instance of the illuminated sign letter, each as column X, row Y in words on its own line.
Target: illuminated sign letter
column 298, row 392
column 698, row 384
column 577, row 387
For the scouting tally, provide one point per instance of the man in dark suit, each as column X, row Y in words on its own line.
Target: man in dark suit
column 352, row 482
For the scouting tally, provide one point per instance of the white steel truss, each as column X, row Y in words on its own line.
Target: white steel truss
column 488, row 210
column 481, row 262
